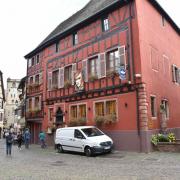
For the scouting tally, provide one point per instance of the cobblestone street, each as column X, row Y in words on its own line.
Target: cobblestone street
column 39, row 164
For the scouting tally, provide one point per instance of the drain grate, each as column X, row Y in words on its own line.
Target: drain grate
column 151, row 159
column 57, row 163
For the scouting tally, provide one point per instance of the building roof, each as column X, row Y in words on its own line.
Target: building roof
column 93, row 9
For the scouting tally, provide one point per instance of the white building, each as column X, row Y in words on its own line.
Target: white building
column 12, row 102
column 2, row 101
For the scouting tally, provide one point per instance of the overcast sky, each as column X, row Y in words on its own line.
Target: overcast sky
column 25, row 23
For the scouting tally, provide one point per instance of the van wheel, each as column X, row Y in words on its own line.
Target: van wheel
column 60, row 149
column 88, row 151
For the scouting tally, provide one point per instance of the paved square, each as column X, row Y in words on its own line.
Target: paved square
column 45, row 164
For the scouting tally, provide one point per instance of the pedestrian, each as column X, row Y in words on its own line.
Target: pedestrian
column 42, row 138
column 9, row 142
column 27, row 137
column 19, row 139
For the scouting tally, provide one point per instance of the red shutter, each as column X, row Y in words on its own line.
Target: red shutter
column 49, row 81
column 85, row 70
column 61, row 77
column 73, row 72
column 102, row 65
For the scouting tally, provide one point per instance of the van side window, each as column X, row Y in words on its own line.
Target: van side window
column 78, row 134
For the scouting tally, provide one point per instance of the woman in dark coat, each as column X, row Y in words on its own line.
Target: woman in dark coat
column 9, row 142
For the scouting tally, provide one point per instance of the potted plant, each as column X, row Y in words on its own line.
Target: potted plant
column 110, row 118
column 92, row 77
column 111, row 73
column 67, row 84
column 81, row 121
column 99, row 120
column 73, row 122
column 165, row 142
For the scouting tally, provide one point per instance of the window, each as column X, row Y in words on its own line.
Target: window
column 176, row 74
column 75, row 38
column 14, row 85
column 78, row 134
column 110, row 107
column 166, row 107
column 36, row 102
column 78, row 111
column 113, row 60
column 105, row 108
column 68, row 74
column 55, row 75
column 37, row 59
column 74, row 112
column 82, row 111
column 105, row 24
column 30, row 104
column 57, row 47
column 33, row 61
column 29, row 62
column 37, row 79
column 31, row 80
column 153, row 106
column 93, row 65
column 50, row 114
column 99, row 109
column 163, row 21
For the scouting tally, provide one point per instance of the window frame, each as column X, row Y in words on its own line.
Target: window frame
column 75, row 38
column 69, row 78
column 55, row 85
column 95, row 60
column 114, row 68
column 104, row 101
column 77, row 107
column 166, row 105
column 153, row 115
column 37, row 59
column 105, row 24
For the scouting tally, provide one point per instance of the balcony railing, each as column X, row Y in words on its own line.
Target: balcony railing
column 33, row 88
column 34, row 114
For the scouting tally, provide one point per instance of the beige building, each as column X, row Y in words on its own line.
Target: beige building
column 2, row 101
column 12, row 102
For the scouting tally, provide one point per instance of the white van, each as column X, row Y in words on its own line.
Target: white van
column 87, row 139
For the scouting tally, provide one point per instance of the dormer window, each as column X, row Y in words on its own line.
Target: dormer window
column 37, row 59
column 105, row 24
column 57, row 47
column 75, row 38
column 33, row 61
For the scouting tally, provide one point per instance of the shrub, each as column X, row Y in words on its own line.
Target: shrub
column 162, row 138
column 99, row 120
column 77, row 122
column 110, row 118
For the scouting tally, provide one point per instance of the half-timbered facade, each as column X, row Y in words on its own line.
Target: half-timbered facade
column 92, row 71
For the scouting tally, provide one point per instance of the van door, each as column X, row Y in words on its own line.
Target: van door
column 78, row 141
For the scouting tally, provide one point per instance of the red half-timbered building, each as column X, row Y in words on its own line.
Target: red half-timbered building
column 103, row 66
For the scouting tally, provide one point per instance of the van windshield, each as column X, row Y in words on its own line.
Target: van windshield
column 90, row 132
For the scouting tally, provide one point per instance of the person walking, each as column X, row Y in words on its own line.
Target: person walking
column 9, row 142
column 19, row 139
column 42, row 138
column 27, row 137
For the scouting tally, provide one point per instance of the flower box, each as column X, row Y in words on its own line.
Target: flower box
column 168, row 146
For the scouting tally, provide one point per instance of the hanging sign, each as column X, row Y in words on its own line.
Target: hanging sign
column 122, row 73
column 79, row 83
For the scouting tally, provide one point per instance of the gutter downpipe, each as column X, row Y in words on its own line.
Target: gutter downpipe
column 136, row 88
